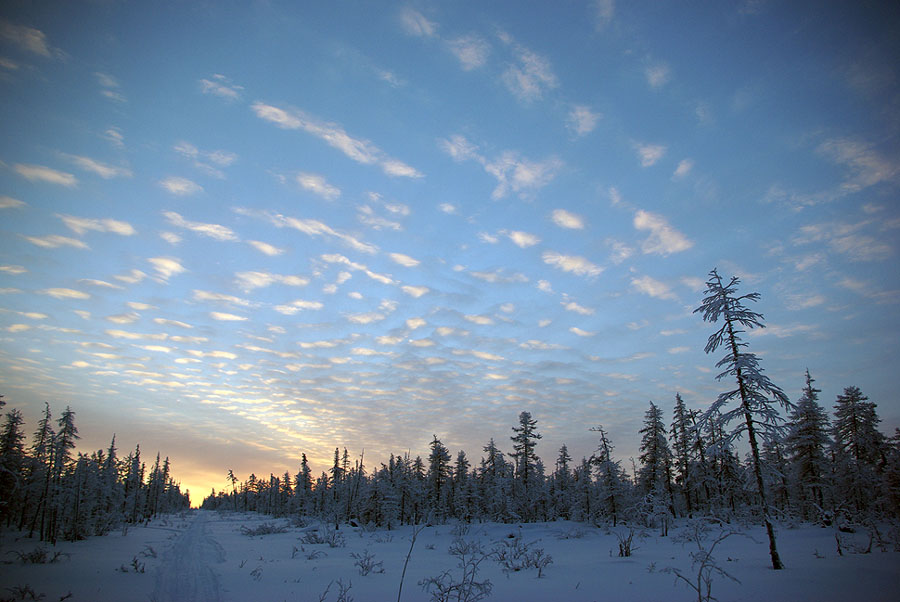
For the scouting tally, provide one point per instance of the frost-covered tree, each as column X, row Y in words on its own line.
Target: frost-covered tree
column 524, row 442
column 755, row 398
column 611, row 479
column 439, row 471
column 858, row 448
column 655, row 474
column 806, row 445
column 681, row 433
column 12, row 465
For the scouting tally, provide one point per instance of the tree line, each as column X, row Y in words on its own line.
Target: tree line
column 51, row 494
column 802, row 463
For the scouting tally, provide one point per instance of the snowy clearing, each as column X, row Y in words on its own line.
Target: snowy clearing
column 211, row 556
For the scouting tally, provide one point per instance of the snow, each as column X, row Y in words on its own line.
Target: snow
column 204, row 555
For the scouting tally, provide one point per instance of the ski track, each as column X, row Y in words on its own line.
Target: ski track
column 186, row 574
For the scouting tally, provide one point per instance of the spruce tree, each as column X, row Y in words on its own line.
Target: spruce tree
column 806, row 444
column 755, row 396
column 858, row 447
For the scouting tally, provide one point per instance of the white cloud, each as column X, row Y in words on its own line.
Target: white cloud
column 317, row 185
column 167, row 322
column 115, row 137
column 100, row 283
column 684, row 168
column 313, row 227
column 26, row 38
column 564, row 219
column 13, row 328
column 180, row 186
column 604, row 11
column 522, row 176
column 103, row 170
column 459, row 148
column 480, row 320
column 404, row 260
column 247, row 281
column 266, row 248
column 15, row 270
column 415, row 23
column 7, row 202
column 488, row 238
column 657, row 75
column 415, row 291
column 580, row 332
column 359, row 150
column 545, row 286
column 663, row 239
column 170, row 237
column 80, row 225
column 652, row 287
column 619, row 251
column 508, row 308
column 132, row 277
column 499, row 277
column 580, row 309
column 166, row 267
column 414, row 323
column 447, row 208
column 572, row 263
column 200, row 295
column 531, row 74
column 64, row 293
column 649, row 154
column 214, row 231
column 472, row 51
column 803, row 301
column 340, row 259
column 582, row 120
column 296, row 306
column 225, row 317
column 523, row 239
column 676, row 350
column 867, row 166
column 221, row 86
column 53, row 241
column 42, row 173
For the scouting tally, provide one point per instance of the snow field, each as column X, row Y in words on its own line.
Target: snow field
column 209, row 556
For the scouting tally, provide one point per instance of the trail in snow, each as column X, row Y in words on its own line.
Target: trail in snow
column 186, row 574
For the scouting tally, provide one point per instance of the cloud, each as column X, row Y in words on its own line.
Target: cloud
column 180, row 186
column 14, row 328
column 499, row 277
column 115, row 137
column 649, row 154
column 531, row 74
column 221, row 86
column 80, row 225
column 619, row 251
column 866, row 165
column 225, row 317
column 299, row 305
column 100, row 283
column 522, row 176
column 132, row 277
column 415, row 291
column 313, row 227
column 480, row 320
column 166, row 267
column 404, row 260
column 200, row 295
column 471, row 50
column 214, row 231
column 415, row 23
column 7, row 202
column 564, row 219
column 359, row 150
column 684, row 168
column 41, row 173
column 170, row 237
column 663, row 239
column 340, row 259
column 367, row 216
column 604, row 11
column 447, row 208
column 657, row 75
column 15, row 270
column 579, row 309
column 581, row 120
column 317, row 185
column 27, row 38
column 109, row 86
column 107, row 172
column 211, row 160
column 523, row 239
column 167, row 322
column 652, row 287
column 580, row 332
column 53, row 241
column 247, row 281
column 572, row 263
column 64, row 293
column 803, row 301
column 265, row 248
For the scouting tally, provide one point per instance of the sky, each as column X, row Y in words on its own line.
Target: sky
column 238, row 232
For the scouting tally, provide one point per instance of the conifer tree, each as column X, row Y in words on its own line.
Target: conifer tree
column 610, row 476
column 858, row 447
column 806, row 444
column 681, row 451
column 524, row 442
column 755, row 396
column 12, row 464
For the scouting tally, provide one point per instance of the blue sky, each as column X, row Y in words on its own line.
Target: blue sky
column 240, row 233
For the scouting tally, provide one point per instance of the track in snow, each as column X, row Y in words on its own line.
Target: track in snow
column 186, row 574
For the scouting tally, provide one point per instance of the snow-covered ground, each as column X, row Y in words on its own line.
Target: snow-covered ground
column 209, row 556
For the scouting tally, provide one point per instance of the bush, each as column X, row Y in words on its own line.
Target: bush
column 264, row 529
column 463, row 588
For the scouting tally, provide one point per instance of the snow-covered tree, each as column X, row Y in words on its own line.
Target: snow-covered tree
column 858, row 448
column 525, row 460
column 611, row 480
column 806, row 445
column 681, row 433
column 755, row 397
column 12, row 465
